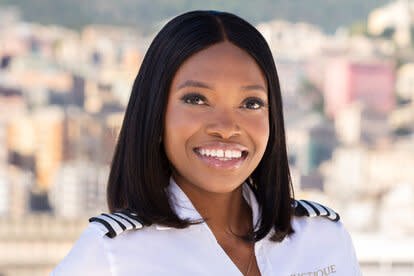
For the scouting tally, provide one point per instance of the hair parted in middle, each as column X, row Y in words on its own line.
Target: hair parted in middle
column 140, row 170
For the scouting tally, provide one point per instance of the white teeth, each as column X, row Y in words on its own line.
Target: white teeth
column 220, row 153
column 235, row 154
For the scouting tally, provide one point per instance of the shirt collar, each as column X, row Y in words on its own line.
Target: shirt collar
column 186, row 210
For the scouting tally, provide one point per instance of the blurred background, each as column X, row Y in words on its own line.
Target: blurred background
column 66, row 71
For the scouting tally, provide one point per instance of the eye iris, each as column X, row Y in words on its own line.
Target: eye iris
column 253, row 105
column 193, row 100
column 196, row 100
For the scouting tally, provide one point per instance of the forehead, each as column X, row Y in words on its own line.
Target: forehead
column 220, row 62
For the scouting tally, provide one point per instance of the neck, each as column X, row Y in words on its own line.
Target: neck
column 225, row 213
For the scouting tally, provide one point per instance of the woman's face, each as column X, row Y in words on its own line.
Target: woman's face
column 217, row 123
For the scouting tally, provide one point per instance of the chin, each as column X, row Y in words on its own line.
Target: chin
column 220, row 185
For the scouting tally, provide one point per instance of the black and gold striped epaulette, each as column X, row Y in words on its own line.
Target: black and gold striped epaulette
column 313, row 209
column 117, row 223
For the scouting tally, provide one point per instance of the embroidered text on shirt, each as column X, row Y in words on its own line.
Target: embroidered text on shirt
column 320, row 272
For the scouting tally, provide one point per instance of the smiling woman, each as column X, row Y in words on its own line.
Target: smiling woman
column 216, row 119
column 200, row 182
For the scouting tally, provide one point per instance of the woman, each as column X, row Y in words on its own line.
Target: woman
column 200, row 183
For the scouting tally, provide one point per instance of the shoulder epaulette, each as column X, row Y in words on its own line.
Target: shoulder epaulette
column 119, row 222
column 313, row 209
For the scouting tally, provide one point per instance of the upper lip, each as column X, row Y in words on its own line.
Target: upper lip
column 221, row 145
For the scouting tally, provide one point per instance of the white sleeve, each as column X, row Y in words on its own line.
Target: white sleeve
column 352, row 257
column 88, row 256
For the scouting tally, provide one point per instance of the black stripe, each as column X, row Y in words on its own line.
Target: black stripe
column 335, row 213
column 133, row 224
column 127, row 213
column 111, row 232
column 327, row 211
column 300, row 211
column 337, row 217
column 313, row 207
column 120, row 224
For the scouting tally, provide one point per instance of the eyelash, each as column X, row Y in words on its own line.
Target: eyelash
column 189, row 99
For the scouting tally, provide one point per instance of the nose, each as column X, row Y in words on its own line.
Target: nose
column 223, row 124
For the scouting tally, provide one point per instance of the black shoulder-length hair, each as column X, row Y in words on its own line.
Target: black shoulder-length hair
column 140, row 170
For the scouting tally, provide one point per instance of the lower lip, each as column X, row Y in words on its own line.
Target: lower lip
column 215, row 163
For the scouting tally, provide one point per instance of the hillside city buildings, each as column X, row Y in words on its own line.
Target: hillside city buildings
column 349, row 111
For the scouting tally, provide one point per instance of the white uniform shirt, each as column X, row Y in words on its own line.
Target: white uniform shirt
column 319, row 247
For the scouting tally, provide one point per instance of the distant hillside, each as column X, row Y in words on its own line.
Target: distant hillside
column 146, row 14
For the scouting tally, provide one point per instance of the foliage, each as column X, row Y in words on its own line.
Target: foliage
column 148, row 15
column 359, row 28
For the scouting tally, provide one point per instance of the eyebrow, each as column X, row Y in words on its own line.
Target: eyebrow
column 193, row 83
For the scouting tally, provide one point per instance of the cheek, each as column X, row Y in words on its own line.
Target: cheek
column 258, row 128
column 179, row 120
column 180, row 125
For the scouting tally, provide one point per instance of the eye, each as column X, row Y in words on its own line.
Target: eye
column 253, row 103
column 194, row 98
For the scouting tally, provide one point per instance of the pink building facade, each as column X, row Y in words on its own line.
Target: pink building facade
column 346, row 81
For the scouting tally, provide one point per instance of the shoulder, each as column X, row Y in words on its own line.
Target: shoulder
column 114, row 224
column 319, row 230
column 313, row 220
column 307, row 208
column 87, row 256
column 90, row 251
column 317, row 222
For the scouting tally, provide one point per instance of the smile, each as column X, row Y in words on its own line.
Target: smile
column 221, row 158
